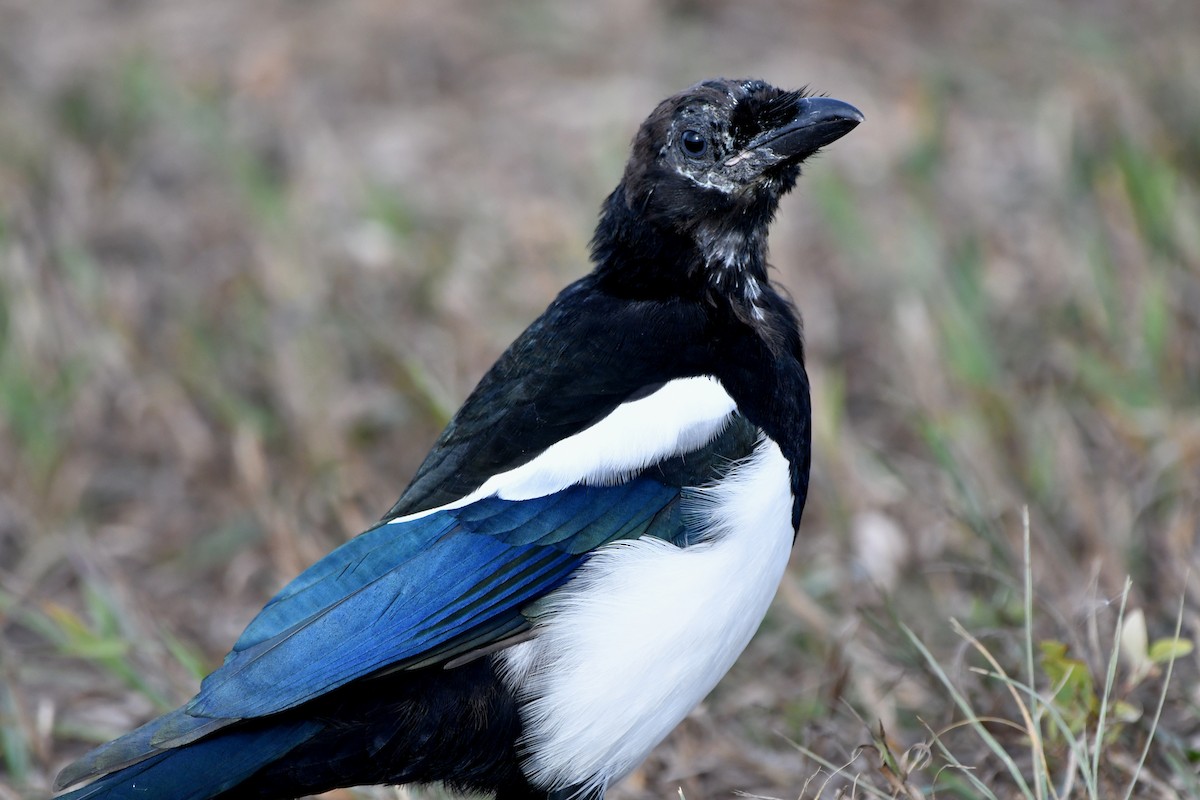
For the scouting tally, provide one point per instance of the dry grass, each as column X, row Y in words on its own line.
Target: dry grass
column 252, row 254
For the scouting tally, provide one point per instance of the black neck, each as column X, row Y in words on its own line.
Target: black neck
column 637, row 258
column 641, row 254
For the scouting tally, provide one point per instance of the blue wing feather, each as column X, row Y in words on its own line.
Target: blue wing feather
column 403, row 590
column 357, row 562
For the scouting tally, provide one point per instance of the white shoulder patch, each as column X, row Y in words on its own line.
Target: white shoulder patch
column 683, row 415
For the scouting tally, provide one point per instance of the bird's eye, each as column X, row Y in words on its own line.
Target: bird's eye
column 693, row 144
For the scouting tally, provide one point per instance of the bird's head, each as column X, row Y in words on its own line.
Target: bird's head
column 729, row 145
column 709, row 166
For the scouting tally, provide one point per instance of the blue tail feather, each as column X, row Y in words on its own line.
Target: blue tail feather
column 202, row 770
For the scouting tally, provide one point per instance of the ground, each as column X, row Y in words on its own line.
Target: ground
column 252, row 255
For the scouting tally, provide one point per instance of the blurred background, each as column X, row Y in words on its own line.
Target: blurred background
column 252, row 255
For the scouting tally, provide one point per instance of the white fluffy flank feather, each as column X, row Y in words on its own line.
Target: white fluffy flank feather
column 645, row 630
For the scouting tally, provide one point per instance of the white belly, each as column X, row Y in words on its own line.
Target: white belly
column 646, row 629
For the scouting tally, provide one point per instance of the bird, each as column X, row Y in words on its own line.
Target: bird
column 590, row 543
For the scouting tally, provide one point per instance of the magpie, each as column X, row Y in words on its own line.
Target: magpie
column 590, row 543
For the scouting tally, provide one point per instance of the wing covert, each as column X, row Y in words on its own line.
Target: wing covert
column 402, row 591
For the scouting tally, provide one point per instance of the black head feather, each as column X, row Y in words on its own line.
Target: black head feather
column 705, row 176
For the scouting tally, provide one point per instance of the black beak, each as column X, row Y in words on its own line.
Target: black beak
column 818, row 121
